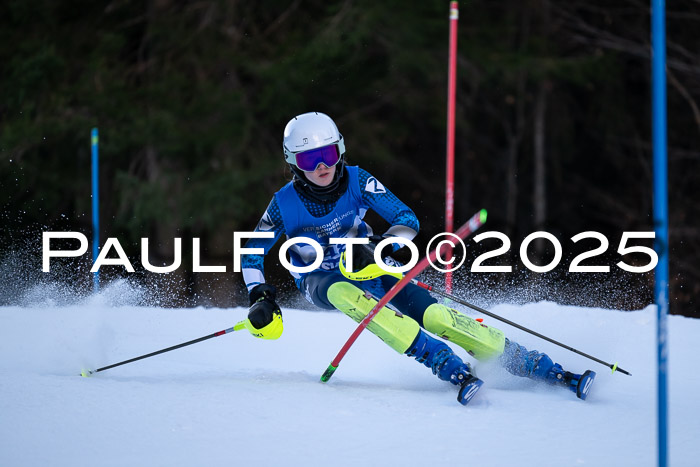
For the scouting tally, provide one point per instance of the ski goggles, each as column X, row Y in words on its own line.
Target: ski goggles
column 308, row 161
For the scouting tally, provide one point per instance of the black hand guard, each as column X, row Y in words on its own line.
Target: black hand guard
column 262, row 312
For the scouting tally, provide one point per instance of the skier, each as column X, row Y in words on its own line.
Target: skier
column 328, row 199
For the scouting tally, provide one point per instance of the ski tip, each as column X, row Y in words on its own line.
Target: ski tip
column 468, row 390
column 482, row 216
column 584, row 384
column 86, row 373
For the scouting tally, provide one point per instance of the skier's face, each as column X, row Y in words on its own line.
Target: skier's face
column 322, row 176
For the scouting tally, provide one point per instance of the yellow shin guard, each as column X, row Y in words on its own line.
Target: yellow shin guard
column 481, row 341
column 396, row 330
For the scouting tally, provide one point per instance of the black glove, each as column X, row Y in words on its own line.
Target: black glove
column 263, row 306
column 262, row 291
column 363, row 255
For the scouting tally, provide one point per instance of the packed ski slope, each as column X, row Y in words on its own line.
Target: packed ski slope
column 237, row 400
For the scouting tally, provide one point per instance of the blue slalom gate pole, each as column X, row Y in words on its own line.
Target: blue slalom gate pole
column 95, row 207
column 661, row 286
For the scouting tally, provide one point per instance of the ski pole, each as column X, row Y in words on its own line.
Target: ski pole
column 237, row 327
column 470, row 226
column 429, row 288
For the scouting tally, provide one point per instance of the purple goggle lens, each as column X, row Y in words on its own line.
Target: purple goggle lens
column 309, row 160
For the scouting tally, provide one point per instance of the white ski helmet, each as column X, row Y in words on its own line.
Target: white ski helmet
column 310, row 131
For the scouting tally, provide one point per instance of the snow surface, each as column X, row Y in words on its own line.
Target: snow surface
column 238, row 400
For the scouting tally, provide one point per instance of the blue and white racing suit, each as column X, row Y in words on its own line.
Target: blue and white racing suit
column 291, row 214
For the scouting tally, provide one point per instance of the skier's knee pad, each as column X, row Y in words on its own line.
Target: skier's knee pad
column 481, row 341
column 395, row 329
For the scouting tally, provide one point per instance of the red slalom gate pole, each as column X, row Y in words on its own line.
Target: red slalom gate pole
column 451, row 104
column 476, row 221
